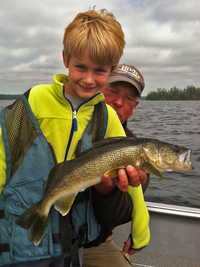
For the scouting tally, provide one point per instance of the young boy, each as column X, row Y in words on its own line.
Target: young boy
column 47, row 129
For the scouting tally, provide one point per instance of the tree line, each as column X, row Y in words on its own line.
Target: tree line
column 188, row 93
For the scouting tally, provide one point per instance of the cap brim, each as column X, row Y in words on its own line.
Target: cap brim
column 113, row 79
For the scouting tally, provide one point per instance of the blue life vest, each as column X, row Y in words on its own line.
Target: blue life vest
column 28, row 166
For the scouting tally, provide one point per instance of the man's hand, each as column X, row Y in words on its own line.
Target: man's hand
column 127, row 177
column 128, row 249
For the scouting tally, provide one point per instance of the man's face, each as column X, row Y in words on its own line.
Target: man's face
column 122, row 97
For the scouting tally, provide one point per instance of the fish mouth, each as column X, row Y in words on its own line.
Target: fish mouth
column 185, row 159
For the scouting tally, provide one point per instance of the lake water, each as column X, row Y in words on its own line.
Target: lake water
column 174, row 122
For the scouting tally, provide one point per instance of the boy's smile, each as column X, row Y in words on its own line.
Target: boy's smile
column 86, row 77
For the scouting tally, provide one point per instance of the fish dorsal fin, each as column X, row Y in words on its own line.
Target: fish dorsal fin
column 103, row 142
column 149, row 168
column 64, row 205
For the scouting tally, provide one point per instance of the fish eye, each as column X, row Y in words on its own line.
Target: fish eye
column 177, row 148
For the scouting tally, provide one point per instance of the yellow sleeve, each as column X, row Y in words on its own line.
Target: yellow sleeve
column 2, row 164
column 114, row 126
column 140, row 219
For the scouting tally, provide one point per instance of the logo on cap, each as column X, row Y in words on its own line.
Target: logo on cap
column 129, row 71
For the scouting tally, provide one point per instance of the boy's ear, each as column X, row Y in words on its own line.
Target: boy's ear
column 64, row 59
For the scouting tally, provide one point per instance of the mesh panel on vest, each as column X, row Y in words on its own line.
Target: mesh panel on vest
column 97, row 123
column 20, row 131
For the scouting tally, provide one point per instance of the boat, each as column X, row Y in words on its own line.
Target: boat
column 175, row 237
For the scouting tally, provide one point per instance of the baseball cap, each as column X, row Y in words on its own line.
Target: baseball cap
column 127, row 73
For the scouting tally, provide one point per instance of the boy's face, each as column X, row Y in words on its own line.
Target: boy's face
column 86, row 77
column 122, row 97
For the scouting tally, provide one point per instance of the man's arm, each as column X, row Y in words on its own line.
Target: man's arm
column 113, row 209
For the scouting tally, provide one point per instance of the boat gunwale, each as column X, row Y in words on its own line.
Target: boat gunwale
column 173, row 209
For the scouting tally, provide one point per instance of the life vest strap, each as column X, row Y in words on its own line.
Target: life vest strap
column 2, row 215
column 4, row 248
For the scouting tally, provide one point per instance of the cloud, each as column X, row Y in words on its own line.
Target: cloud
column 162, row 40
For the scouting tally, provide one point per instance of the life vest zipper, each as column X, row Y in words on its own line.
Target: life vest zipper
column 75, row 128
column 74, row 121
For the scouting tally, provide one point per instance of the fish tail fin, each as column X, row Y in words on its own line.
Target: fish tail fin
column 35, row 220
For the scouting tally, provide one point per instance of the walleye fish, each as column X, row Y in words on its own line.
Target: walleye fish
column 68, row 178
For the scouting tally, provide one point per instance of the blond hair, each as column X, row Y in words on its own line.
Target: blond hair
column 100, row 33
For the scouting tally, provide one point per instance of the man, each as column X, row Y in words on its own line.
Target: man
column 124, row 87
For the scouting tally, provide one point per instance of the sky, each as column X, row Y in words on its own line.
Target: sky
column 162, row 40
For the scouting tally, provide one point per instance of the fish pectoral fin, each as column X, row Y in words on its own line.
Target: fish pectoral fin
column 64, row 205
column 149, row 168
column 112, row 173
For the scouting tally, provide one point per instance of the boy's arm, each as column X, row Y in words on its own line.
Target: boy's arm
column 2, row 164
column 140, row 234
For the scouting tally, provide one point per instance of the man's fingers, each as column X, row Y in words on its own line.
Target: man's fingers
column 107, row 181
column 132, row 251
column 142, row 176
column 122, row 181
column 127, row 177
column 136, row 177
column 126, row 247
